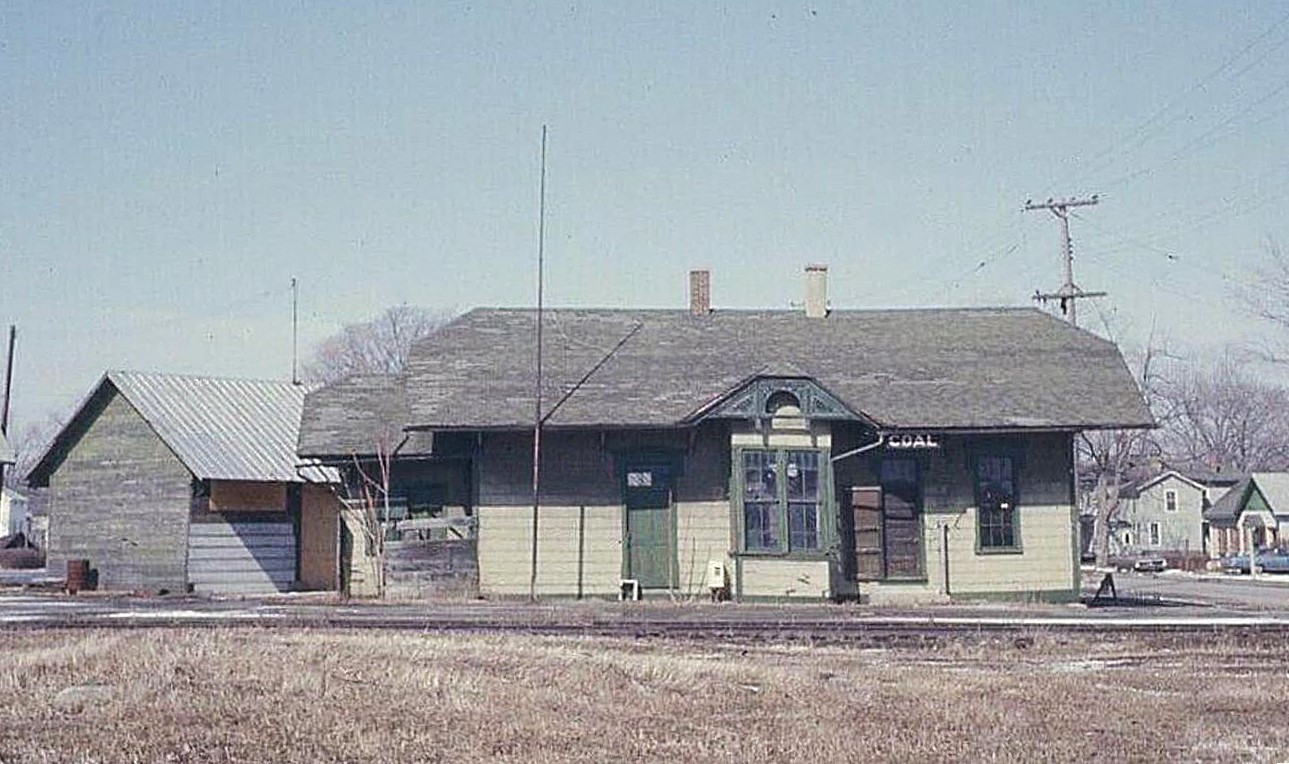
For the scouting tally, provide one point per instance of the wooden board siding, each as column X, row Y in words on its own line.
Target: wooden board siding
column 702, row 535
column 359, row 569
column 420, row 568
column 319, row 539
column 767, row 577
column 241, row 557
column 575, row 471
column 1046, row 566
column 579, row 550
column 581, row 523
column 246, row 496
column 120, row 499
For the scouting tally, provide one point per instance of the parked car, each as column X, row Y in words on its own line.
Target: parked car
column 1269, row 561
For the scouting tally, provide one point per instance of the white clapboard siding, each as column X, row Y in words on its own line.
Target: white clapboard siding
column 241, row 558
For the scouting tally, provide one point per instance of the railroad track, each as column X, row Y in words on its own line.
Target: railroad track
column 864, row 629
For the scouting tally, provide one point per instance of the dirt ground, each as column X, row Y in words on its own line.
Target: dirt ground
column 257, row 695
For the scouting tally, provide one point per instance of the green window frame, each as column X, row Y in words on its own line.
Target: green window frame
column 781, row 499
column 997, row 504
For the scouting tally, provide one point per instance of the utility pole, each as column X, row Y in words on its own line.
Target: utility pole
column 8, row 381
column 537, row 377
column 1069, row 293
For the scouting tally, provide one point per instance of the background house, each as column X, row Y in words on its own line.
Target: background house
column 1260, row 502
column 1162, row 515
column 902, row 454
column 188, row 483
column 7, row 455
column 13, row 512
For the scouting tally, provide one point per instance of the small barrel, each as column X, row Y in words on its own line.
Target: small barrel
column 78, row 575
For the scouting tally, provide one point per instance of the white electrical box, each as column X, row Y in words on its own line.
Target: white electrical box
column 717, row 577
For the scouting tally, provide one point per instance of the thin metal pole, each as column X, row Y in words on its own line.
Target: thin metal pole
column 537, row 384
column 295, row 331
column 8, row 381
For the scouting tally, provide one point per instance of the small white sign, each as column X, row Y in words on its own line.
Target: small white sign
column 640, row 479
column 912, row 440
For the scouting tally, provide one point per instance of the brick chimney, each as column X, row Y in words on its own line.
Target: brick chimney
column 816, row 290
column 700, row 293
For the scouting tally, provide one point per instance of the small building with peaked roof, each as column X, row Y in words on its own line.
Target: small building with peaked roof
column 185, row 483
column 1259, row 502
column 882, row 454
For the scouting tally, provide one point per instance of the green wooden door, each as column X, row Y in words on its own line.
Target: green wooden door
column 650, row 539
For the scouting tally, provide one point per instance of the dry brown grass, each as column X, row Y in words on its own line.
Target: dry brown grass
column 302, row 696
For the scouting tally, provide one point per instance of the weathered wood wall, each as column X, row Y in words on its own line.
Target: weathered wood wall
column 246, row 496
column 319, row 539
column 418, row 568
column 120, row 498
column 247, row 555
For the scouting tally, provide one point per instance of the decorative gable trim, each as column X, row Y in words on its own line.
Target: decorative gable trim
column 749, row 401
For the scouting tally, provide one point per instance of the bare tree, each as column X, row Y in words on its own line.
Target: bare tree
column 1225, row 420
column 369, row 509
column 378, row 346
column 1112, row 459
column 29, row 444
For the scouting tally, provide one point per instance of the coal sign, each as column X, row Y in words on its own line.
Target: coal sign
column 912, row 441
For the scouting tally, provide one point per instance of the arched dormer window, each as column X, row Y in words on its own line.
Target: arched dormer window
column 783, row 403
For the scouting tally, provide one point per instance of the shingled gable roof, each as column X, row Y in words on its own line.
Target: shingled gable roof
column 221, row 429
column 357, row 415
column 998, row 368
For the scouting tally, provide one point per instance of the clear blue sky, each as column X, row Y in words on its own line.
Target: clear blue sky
column 168, row 167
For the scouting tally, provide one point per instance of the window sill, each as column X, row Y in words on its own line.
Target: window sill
column 757, row 554
column 999, row 550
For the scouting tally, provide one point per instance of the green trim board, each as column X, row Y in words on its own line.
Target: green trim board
column 826, row 520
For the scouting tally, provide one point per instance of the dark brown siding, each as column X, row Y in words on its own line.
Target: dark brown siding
column 120, row 499
column 580, row 468
column 575, row 470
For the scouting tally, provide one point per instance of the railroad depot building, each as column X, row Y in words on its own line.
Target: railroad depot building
column 885, row 454
column 179, row 483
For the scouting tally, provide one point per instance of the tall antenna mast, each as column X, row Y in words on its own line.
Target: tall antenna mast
column 1069, row 294
column 295, row 331
column 537, row 384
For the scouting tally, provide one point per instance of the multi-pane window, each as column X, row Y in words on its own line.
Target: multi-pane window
column 996, row 501
column 1170, row 501
column 761, row 518
column 1154, row 534
column 781, row 496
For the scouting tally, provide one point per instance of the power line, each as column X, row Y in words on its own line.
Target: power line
column 1138, row 136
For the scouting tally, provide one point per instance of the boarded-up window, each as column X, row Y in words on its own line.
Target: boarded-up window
column 902, row 526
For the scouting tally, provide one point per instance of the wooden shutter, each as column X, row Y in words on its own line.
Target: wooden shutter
column 902, row 536
column 866, row 514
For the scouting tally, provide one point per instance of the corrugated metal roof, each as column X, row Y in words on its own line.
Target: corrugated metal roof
column 221, row 429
